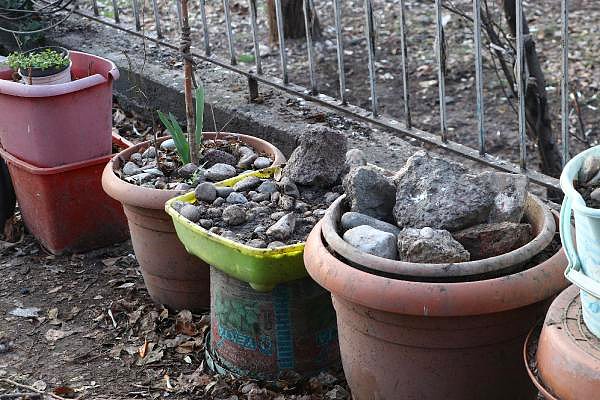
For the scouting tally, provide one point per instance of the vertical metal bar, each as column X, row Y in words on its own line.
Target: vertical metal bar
column 136, row 14
column 157, row 19
column 205, row 27
column 370, row 34
column 441, row 61
column 565, row 80
column 95, row 7
column 337, row 11
column 521, row 83
column 178, row 10
column 404, row 49
column 310, row 46
column 115, row 11
column 253, row 17
column 479, row 74
column 233, row 59
column 282, row 52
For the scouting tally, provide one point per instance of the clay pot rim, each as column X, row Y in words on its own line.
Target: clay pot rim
column 537, row 383
column 540, row 216
column 433, row 299
column 155, row 199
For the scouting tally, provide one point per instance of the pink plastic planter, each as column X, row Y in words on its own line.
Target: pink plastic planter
column 54, row 125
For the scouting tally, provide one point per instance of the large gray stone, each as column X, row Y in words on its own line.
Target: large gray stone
column 370, row 192
column 267, row 187
column 510, row 196
column 131, row 168
column 249, row 183
column 187, row 171
column 353, row 219
column 206, row 192
column 236, row 198
column 234, row 215
column 431, row 246
column 373, row 241
column 283, row 228
column 489, row 240
column 220, row 172
column 190, row 212
column 433, row 192
column 319, row 159
column 247, row 157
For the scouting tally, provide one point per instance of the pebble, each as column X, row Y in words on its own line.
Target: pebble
column 187, row 170
column 260, row 229
column 319, row 213
column 353, row 219
column 182, row 186
column 283, row 228
column 595, row 195
column 190, row 212
column 136, row 158
column 218, row 202
column 276, row 215
column 286, row 202
column 260, row 197
column 262, row 162
column 275, row 197
column 160, row 183
column 355, row 158
column 234, row 215
column 154, row 172
column 246, row 184
column 258, row 243
column 267, row 187
column 215, row 156
column 219, row 172
column 206, row 223
column 247, row 157
column 275, row 244
column 177, row 205
column 206, row 192
column 236, row 198
column 590, row 167
column 229, row 235
column 289, row 187
column 131, row 168
column 224, row 191
column 330, row 197
column 150, row 152
column 214, row 213
column 301, row 207
column 168, row 145
column 372, row 241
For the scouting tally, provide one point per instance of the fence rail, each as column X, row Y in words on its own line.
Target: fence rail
column 340, row 104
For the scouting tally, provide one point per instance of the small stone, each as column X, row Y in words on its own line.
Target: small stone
column 150, row 152
column 301, row 207
column 154, row 172
column 220, row 172
column 510, row 196
column 206, row 192
column 267, row 187
column 236, row 198
column 275, row 197
column 260, row 197
column 259, row 230
column 252, row 193
column 214, row 213
column 131, row 168
column 262, row 162
column 218, row 201
column 229, row 235
column 136, row 158
column 286, row 202
column 205, row 223
column 430, row 246
column 319, row 213
column 160, row 183
column 168, row 145
column 353, row 219
column 140, row 178
column 337, row 393
column 224, row 191
column 370, row 192
column 589, row 169
column 215, row 230
column 288, row 187
column 182, row 187
column 190, row 212
column 247, row 157
column 24, row 291
column 275, row 244
column 250, row 204
column 187, row 170
column 330, row 197
column 490, row 240
column 283, row 228
column 277, row 215
column 215, row 156
column 258, row 243
column 372, row 241
column 234, row 215
column 595, row 195
column 262, row 211
column 355, row 158
column 177, row 205
column 246, row 184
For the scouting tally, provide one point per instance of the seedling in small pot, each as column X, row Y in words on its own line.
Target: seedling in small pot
column 44, row 65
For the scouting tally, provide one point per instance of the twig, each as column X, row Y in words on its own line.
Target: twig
column 20, row 385
column 186, row 44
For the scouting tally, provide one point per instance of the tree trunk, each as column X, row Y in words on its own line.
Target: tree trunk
column 293, row 20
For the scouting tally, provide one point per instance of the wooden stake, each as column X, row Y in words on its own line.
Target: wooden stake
column 186, row 44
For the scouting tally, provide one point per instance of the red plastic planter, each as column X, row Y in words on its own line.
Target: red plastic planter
column 65, row 207
column 53, row 125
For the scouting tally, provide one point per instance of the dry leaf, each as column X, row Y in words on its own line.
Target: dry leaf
column 186, row 348
column 143, row 349
column 54, row 289
column 52, row 313
column 52, row 335
column 126, row 285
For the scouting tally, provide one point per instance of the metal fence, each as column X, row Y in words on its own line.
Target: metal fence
column 340, row 103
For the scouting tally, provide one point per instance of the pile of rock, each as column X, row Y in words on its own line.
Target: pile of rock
column 588, row 181
column 221, row 159
column 434, row 211
column 270, row 213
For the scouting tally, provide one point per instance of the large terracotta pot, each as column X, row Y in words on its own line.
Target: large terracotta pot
column 428, row 341
column 172, row 275
column 567, row 355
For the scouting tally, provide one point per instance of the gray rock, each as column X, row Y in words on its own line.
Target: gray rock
column 319, row 159
column 372, row 241
column 595, row 195
column 258, row 243
column 218, row 202
column 247, row 157
column 219, row 172
column 150, row 152
column 223, row 191
column 262, row 162
column 286, row 202
column 439, row 194
column 489, row 240
column 140, row 178
column 214, row 213
column 215, row 156
column 355, row 158
column 236, row 198
column 259, row 230
column 262, row 210
column 370, row 192
column 277, row 215
column 589, row 169
column 206, row 192
column 190, row 212
column 168, row 145
column 187, row 170
column 288, row 187
column 275, row 197
column 154, row 172
column 131, row 168
column 182, row 186
column 160, row 183
column 330, row 197
column 510, row 196
column 283, row 228
column 229, row 235
column 275, row 244
column 267, row 187
column 234, row 215
column 353, row 219
column 246, row 184
column 177, row 205
column 319, row 213
column 431, row 246
column 206, row 223
column 260, row 197
column 301, row 207
column 136, row 158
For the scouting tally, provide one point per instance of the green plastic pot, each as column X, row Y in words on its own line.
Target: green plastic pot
column 262, row 269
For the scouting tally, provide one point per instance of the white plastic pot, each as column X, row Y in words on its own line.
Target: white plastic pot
column 63, row 76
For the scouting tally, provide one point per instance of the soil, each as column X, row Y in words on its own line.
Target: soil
column 585, row 192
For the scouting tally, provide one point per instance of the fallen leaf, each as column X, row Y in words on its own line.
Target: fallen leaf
column 143, row 349
column 186, row 348
column 54, row 289
column 52, row 335
column 30, row 312
column 53, row 313
column 126, row 285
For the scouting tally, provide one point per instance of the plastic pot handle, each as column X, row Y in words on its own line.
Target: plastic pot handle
column 573, row 272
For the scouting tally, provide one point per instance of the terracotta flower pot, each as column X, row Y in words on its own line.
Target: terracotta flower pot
column 7, row 195
column 567, row 354
column 172, row 275
column 428, row 341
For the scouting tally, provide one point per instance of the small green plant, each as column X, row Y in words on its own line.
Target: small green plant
column 43, row 60
column 174, row 129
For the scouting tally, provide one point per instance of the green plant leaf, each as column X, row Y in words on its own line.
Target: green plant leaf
column 175, row 131
column 199, row 94
column 246, row 58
